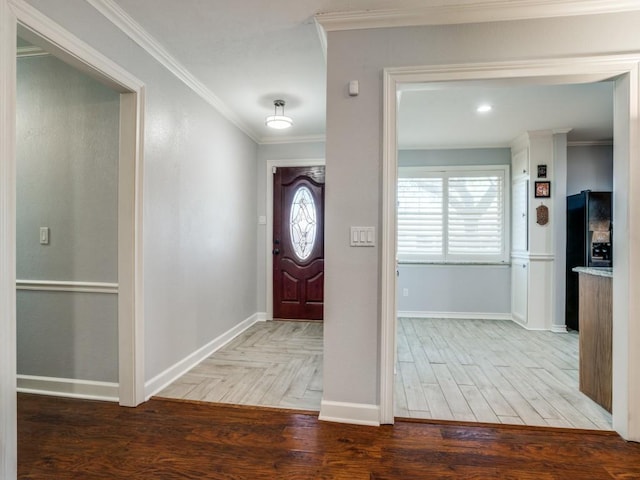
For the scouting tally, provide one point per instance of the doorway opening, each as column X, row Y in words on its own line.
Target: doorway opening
column 122, row 226
column 623, row 73
column 464, row 252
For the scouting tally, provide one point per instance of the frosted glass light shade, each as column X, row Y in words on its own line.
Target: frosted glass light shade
column 279, row 122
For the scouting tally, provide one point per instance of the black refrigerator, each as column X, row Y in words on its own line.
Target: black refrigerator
column 589, row 236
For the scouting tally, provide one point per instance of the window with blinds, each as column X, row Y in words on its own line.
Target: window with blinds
column 453, row 215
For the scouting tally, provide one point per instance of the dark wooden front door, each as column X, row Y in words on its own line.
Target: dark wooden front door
column 298, row 243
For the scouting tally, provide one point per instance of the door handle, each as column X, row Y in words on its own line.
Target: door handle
column 276, row 251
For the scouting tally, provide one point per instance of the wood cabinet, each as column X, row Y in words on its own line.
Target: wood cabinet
column 596, row 337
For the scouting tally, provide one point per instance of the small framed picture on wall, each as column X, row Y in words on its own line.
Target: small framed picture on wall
column 542, row 171
column 543, row 190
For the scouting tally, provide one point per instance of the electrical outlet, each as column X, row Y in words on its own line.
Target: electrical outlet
column 405, row 292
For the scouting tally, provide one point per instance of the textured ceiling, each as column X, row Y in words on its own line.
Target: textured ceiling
column 251, row 52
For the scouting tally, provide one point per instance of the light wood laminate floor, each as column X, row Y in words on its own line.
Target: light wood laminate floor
column 272, row 364
column 469, row 370
column 491, row 371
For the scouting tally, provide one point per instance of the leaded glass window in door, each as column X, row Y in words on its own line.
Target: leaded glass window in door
column 303, row 223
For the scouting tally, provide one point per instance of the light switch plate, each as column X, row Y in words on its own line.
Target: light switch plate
column 363, row 236
column 44, row 235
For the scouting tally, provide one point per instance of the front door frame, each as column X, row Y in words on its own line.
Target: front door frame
column 270, row 165
column 626, row 304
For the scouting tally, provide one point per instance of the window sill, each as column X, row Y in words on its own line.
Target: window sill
column 453, row 264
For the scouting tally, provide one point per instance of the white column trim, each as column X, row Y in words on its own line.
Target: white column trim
column 388, row 264
column 626, row 418
column 270, row 165
column 8, row 425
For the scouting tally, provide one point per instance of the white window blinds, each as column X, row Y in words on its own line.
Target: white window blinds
column 420, row 216
column 452, row 215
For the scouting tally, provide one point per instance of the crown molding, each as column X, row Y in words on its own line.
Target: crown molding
column 590, row 143
column 298, row 139
column 122, row 20
column 31, row 51
column 322, row 36
column 492, row 11
column 480, row 146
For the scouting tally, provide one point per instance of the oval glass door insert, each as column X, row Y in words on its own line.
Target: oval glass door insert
column 302, row 223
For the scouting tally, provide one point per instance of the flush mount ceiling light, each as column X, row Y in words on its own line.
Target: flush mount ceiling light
column 484, row 108
column 278, row 121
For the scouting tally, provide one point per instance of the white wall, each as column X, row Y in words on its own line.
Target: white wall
column 199, row 201
column 589, row 168
column 354, row 157
column 266, row 152
column 67, row 180
column 455, row 289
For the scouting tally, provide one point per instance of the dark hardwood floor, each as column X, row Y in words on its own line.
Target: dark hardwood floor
column 167, row 439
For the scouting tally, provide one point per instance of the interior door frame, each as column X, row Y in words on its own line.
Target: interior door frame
column 626, row 306
column 18, row 16
column 270, row 165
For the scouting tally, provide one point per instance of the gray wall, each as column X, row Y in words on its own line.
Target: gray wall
column 266, row 152
column 589, row 168
column 199, row 201
column 479, row 290
column 67, row 174
column 474, row 289
column 354, row 157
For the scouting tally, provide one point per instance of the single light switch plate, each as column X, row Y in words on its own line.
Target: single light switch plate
column 44, row 235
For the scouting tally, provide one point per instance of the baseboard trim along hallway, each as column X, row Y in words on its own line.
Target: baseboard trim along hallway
column 174, row 372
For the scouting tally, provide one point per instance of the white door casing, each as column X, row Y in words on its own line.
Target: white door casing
column 16, row 16
column 626, row 334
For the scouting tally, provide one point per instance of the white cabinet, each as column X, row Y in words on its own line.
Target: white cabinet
column 519, row 290
column 519, row 214
column 532, row 256
column 520, row 162
column 520, row 233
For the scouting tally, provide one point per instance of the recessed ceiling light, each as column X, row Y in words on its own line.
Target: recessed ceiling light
column 484, row 108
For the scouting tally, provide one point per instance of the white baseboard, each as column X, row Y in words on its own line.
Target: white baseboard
column 457, row 315
column 174, row 372
column 531, row 329
column 354, row 413
column 68, row 387
column 559, row 328
column 262, row 316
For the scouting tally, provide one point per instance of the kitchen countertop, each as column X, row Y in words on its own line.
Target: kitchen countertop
column 598, row 271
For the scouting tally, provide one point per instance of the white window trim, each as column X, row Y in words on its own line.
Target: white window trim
column 446, row 171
